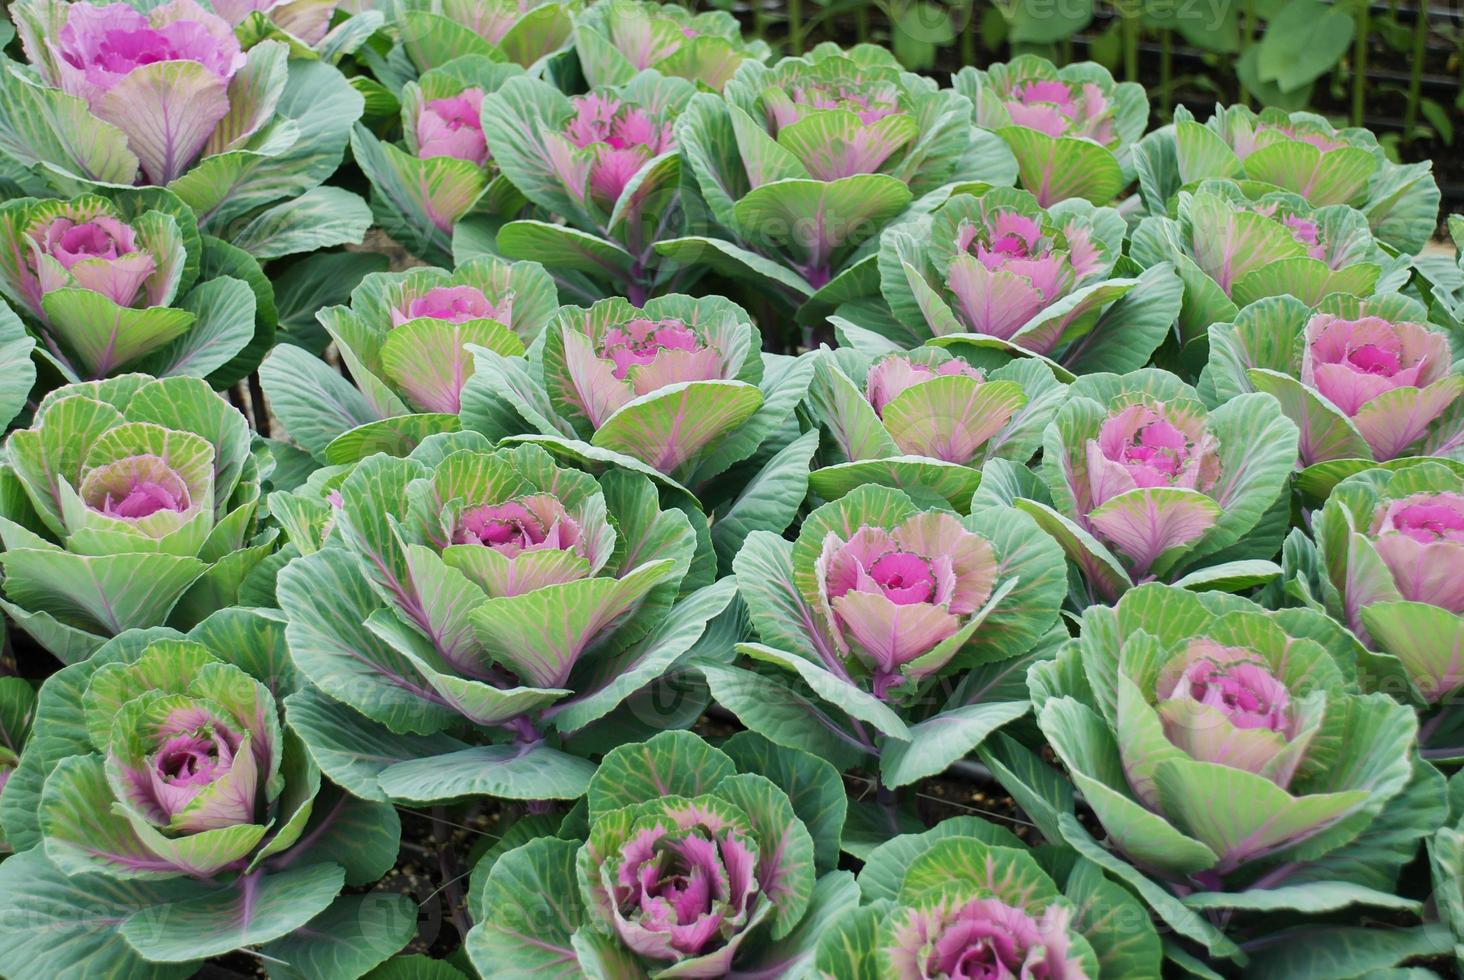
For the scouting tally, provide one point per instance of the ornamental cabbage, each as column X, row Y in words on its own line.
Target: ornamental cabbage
column 677, row 389
column 608, row 163
column 695, row 864
column 1298, row 152
column 1214, row 740
column 925, row 417
column 1071, row 128
column 1231, row 250
column 443, row 173
column 130, row 503
column 615, row 39
column 248, row 129
column 112, row 284
column 1364, row 380
column 490, row 595
column 1143, row 483
column 404, row 338
column 996, row 270
column 808, row 160
column 967, row 899
column 1388, row 540
column 873, row 608
column 168, row 790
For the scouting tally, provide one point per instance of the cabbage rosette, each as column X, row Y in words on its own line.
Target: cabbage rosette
column 1387, row 540
column 129, row 503
column 805, row 162
column 608, row 162
column 113, row 284
column 443, row 171
column 1365, row 380
column 878, row 609
column 168, row 789
column 968, row 899
column 251, row 137
column 1139, row 481
column 526, row 33
column 615, row 39
column 405, row 339
column 1227, row 752
column 471, row 607
column 998, row 271
column 677, row 389
column 1071, row 129
column 1299, row 152
column 1231, row 250
column 695, row 864
column 926, row 418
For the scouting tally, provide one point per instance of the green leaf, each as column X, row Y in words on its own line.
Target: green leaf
column 769, row 501
column 1329, row 952
column 1115, row 923
column 813, row 787
column 314, row 403
column 535, row 906
column 352, row 749
column 246, row 912
column 55, row 926
column 775, row 709
column 224, row 309
column 105, row 336
column 737, row 264
column 1312, row 898
column 669, row 764
column 939, row 741
column 322, row 217
column 17, row 371
column 847, row 948
column 885, row 866
column 785, row 853
column 1041, row 791
column 840, row 692
column 45, row 126
column 1303, row 41
column 512, row 772
column 560, row 247
column 105, row 593
column 313, row 283
column 347, row 940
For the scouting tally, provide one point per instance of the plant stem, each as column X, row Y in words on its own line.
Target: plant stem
column 861, row 25
column 795, row 27
column 1247, row 38
column 452, row 892
column 1415, row 75
column 968, row 36
column 1359, row 63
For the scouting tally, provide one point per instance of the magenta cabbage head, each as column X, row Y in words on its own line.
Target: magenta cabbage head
column 1390, row 542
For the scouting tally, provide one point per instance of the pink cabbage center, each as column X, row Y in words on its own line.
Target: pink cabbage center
column 456, row 304
column 622, row 138
column 196, row 758
column 452, row 127
column 1246, row 692
column 527, row 524
column 638, row 342
column 107, row 43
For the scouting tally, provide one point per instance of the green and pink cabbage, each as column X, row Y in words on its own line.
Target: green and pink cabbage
column 501, row 601
column 246, row 130
column 113, row 284
column 615, row 39
column 168, row 784
column 805, row 162
column 1298, row 152
column 1143, row 482
column 695, row 864
column 678, row 389
column 129, row 503
column 967, row 899
column 306, row 22
column 874, row 607
column 1387, row 541
column 926, row 417
column 1365, row 380
column 608, row 163
column 526, row 33
column 405, row 339
column 997, row 270
column 1071, row 129
column 1231, row 249
column 443, row 172
column 1224, row 749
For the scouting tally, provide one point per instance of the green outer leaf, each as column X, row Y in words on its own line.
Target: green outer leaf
column 939, row 741
column 769, row 501
column 314, row 403
column 533, row 772
column 535, row 905
column 322, row 217
column 347, row 940
column 58, row 927
column 884, row 868
column 1328, row 952
column 17, row 371
column 669, row 764
column 235, row 916
column 813, row 787
column 775, row 709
